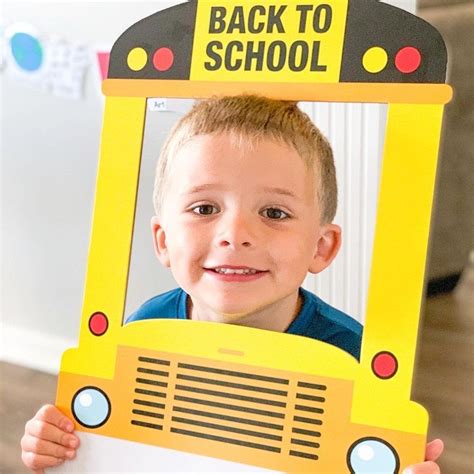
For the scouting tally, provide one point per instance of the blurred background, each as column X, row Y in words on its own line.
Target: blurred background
column 50, row 132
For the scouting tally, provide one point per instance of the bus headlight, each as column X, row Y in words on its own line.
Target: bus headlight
column 91, row 407
column 372, row 455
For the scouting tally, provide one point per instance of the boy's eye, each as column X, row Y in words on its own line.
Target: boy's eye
column 205, row 209
column 274, row 213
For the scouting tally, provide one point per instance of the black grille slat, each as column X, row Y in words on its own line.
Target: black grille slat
column 226, row 440
column 150, row 392
column 314, row 398
column 303, row 442
column 213, row 370
column 226, row 428
column 217, row 416
column 154, row 361
column 147, row 413
column 147, row 425
column 161, row 373
column 314, row 386
column 146, row 403
column 233, row 385
column 256, row 411
column 309, row 409
column 311, row 421
column 151, row 382
column 303, row 455
column 317, row 434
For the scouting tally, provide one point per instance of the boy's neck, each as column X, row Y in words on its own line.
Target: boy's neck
column 275, row 317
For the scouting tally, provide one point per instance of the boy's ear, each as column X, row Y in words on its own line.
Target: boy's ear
column 327, row 247
column 159, row 241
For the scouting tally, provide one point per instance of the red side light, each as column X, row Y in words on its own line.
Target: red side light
column 163, row 59
column 408, row 60
column 98, row 324
column 384, row 365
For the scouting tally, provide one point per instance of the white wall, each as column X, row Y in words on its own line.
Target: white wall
column 49, row 158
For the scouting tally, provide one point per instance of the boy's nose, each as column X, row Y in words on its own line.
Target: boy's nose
column 235, row 231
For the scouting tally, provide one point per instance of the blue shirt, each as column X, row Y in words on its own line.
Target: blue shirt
column 316, row 319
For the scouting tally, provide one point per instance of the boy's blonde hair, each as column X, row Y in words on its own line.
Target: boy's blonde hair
column 249, row 118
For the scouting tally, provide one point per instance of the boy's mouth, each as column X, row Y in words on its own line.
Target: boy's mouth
column 237, row 273
column 235, row 270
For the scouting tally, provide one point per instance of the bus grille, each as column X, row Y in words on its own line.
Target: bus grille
column 239, row 405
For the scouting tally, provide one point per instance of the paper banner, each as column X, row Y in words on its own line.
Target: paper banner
column 67, row 64
column 103, row 60
column 100, row 56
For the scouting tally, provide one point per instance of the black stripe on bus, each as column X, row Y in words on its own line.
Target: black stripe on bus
column 143, row 370
column 226, row 440
column 304, row 455
column 152, row 393
column 317, row 434
column 226, row 428
column 146, row 403
column 311, row 421
column 312, row 385
column 310, row 409
column 303, row 442
column 246, row 375
column 233, row 385
column 147, row 413
column 228, row 418
column 230, row 395
column 147, row 425
column 151, row 382
column 256, row 411
column 154, row 361
column 313, row 398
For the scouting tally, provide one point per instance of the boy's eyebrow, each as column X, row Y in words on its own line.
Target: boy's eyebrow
column 283, row 191
column 201, row 187
column 266, row 189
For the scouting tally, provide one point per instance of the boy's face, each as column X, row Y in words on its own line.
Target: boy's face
column 239, row 227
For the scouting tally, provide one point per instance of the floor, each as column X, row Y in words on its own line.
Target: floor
column 443, row 384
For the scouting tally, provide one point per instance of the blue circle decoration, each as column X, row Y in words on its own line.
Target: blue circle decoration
column 91, row 407
column 27, row 51
column 372, row 455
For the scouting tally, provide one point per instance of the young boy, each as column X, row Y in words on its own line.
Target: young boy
column 245, row 194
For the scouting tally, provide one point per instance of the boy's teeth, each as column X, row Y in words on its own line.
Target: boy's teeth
column 237, row 271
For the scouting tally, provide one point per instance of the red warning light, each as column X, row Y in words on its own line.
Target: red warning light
column 163, row 59
column 384, row 365
column 408, row 60
column 98, row 324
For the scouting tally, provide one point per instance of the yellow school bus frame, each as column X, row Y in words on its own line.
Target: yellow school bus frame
column 256, row 397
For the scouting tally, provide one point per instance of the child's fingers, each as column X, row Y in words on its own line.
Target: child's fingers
column 46, row 431
column 46, row 448
column 38, row 462
column 52, row 415
column 428, row 467
column 434, row 450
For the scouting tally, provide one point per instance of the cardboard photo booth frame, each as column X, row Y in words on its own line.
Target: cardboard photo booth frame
column 229, row 394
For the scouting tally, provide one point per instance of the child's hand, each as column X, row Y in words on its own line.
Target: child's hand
column 48, row 440
column 433, row 452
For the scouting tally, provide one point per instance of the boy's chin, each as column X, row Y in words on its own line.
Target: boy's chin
column 240, row 316
column 234, row 315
